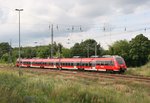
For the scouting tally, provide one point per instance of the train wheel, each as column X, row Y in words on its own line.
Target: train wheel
column 59, row 68
column 109, row 71
column 81, row 69
column 121, row 71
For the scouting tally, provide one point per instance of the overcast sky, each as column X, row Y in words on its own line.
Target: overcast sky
column 74, row 21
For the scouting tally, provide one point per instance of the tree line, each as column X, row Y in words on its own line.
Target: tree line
column 136, row 52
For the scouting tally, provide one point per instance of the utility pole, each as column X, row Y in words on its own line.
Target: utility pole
column 88, row 50
column 52, row 41
column 95, row 49
column 10, row 60
column 20, row 72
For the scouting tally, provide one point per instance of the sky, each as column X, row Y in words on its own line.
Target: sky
column 73, row 21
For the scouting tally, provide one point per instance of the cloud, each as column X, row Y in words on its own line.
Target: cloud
column 37, row 16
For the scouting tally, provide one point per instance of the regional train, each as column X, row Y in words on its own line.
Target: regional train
column 105, row 63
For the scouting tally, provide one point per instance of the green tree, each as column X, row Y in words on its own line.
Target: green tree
column 4, row 48
column 139, row 50
column 76, row 50
column 87, row 48
column 66, row 53
column 43, row 51
column 5, row 57
column 28, row 52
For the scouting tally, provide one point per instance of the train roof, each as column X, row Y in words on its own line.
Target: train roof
column 69, row 59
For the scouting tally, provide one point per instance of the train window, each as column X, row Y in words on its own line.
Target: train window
column 90, row 64
column 102, row 62
column 119, row 60
column 87, row 64
column 82, row 64
column 78, row 64
column 111, row 63
column 69, row 64
column 98, row 62
column 66, row 64
column 106, row 62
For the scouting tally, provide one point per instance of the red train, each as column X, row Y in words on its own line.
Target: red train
column 107, row 63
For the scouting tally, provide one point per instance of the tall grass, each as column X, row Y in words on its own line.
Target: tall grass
column 143, row 70
column 33, row 88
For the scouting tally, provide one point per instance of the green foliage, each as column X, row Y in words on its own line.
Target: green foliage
column 4, row 48
column 66, row 53
column 143, row 70
column 43, row 51
column 28, row 52
column 139, row 50
column 5, row 57
column 86, row 48
column 149, row 57
column 76, row 50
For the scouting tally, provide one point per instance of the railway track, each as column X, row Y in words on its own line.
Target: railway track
column 96, row 75
column 91, row 75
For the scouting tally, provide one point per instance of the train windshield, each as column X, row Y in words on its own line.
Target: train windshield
column 120, row 61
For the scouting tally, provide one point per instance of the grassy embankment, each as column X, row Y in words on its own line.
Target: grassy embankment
column 143, row 70
column 34, row 87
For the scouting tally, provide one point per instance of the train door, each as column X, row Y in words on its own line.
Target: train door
column 93, row 63
column 75, row 65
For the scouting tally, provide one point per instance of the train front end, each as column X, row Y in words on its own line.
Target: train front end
column 120, row 64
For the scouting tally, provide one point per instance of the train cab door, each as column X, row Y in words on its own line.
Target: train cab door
column 93, row 65
column 75, row 65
